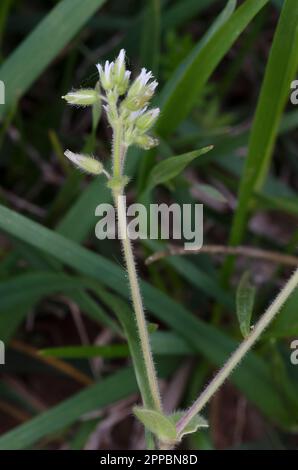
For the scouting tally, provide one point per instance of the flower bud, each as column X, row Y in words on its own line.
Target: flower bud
column 141, row 91
column 139, row 83
column 85, row 162
column 130, row 135
column 123, row 85
column 146, row 142
column 85, row 97
column 119, row 68
column 134, row 103
column 106, row 75
column 146, row 120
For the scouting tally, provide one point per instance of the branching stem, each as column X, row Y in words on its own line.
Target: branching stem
column 240, row 352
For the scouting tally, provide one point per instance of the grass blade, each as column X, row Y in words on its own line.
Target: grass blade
column 94, row 397
column 30, row 59
column 281, row 68
column 150, row 44
column 182, row 92
column 78, row 352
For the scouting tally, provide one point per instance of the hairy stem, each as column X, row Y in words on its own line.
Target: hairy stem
column 240, row 352
column 137, row 300
column 117, row 148
column 119, row 151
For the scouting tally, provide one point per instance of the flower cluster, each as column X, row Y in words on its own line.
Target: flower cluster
column 132, row 107
column 125, row 101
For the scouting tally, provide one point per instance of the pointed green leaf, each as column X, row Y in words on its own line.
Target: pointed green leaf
column 170, row 167
column 245, row 298
column 196, row 423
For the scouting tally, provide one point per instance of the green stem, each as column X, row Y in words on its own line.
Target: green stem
column 117, row 148
column 137, row 300
column 119, row 151
column 240, row 352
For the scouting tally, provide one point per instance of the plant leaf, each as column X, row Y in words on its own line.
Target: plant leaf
column 78, row 352
column 182, row 91
column 150, row 43
column 93, row 398
column 180, row 11
column 170, row 167
column 245, row 298
column 160, row 425
column 280, row 71
column 29, row 60
column 196, row 423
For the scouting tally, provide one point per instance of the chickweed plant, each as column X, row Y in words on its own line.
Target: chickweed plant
column 126, row 103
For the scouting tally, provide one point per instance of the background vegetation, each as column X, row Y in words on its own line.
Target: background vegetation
column 225, row 69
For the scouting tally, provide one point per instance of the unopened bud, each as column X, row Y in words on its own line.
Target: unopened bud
column 134, row 103
column 146, row 120
column 123, row 85
column 140, row 83
column 141, row 91
column 85, row 97
column 146, row 142
column 119, row 68
column 106, row 75
column 85, row 162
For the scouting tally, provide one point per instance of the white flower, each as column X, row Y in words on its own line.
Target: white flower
column 133, row 108
column 108, row 69
column 144, row 76
column 139, row 85
column 127, row 74
column 114, row 76
column 120, row 63
column 106, row 75
column 152, row 86
column 141, row 91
